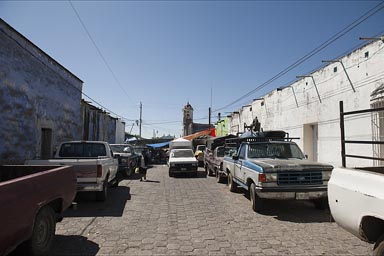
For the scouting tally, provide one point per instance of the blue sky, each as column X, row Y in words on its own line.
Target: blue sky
column 166, row 53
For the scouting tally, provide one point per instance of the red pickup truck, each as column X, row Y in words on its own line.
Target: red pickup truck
column 32, row 201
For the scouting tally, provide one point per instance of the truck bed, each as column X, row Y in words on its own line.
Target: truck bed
column 24, row 191
column 9, row 172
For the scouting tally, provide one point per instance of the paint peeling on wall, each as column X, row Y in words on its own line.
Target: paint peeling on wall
column 36, row 92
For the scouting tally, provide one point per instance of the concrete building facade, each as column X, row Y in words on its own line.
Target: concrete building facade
column 309, row 107
column 39, row 100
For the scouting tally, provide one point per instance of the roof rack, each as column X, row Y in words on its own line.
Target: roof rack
column 262, row 136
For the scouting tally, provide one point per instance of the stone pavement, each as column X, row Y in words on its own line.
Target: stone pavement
column 196, row 216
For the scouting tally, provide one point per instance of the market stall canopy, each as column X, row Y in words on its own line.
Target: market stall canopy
column 211, row 132
column 158, row 145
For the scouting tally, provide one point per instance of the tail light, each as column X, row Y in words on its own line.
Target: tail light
column 262, row 177
column 99, row 170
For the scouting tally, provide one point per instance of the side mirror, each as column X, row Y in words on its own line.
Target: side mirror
column 306, row 156
column 235, row 157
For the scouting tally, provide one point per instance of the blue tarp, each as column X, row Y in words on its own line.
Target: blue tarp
column 158, row 145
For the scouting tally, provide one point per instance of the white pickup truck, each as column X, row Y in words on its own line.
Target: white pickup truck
column 181, row 157
column 356, row 200
column 94, row 164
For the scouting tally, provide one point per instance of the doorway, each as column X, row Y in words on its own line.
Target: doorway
column 311, row 141
column 46, row 143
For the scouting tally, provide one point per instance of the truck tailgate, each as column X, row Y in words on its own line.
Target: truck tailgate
column 86, row 169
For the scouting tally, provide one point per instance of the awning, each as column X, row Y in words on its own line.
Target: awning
column 158, row 145
column 210, row 131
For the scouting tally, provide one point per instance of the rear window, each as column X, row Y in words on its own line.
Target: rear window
column 182, row 153
column 78, row 150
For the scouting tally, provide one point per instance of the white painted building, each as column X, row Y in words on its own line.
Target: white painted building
column 309, row 108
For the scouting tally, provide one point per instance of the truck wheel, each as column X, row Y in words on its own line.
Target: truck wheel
column 378, row 250
column 231, row 184
column 43, row 232
column 256, row 201
column 102, row 195
column 321, row 203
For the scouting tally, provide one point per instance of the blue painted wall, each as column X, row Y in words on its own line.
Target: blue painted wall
column 35, row 93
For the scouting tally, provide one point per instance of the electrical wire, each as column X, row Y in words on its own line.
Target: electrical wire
column 99, row 51
column 322, row 46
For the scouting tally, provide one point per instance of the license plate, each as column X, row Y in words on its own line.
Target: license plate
column 183, row 169
column 302, row 196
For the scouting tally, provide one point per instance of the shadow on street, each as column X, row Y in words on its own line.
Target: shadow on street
column 74, row 245
column 296, row 211
column 88, row 207
column 67, row 245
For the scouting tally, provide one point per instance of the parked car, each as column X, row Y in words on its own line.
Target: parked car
column 270, row 166
column 356, row 195
column 182, row 161
column 93, row 162
column 128, row 159
column 32, row 201
column 181, row 158
column 214, row 162
column 356, row 200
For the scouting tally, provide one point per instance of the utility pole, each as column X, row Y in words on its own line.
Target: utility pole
column 209, row 117
column 141, row 120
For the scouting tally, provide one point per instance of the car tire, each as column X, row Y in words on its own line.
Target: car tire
column 102, row 195
column 43, row 233
column 378, row 249
column 256, row 201
column 231, row 184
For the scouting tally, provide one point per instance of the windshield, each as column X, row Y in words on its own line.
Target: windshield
column 76, row 150
column 182, row 153
column 225, row 151
column 200, row 147
column 274, row 150
column 118, row 148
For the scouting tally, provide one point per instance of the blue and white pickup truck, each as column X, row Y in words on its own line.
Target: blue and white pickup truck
column 270, row 166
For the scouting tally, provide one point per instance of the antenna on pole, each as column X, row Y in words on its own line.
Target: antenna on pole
column 141, row 120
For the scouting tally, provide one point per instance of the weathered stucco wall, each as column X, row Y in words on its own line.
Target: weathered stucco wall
column 315, row 122
column 36, row 92
column 98, row 124
column 120, row 131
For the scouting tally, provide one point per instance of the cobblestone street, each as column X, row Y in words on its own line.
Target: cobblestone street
column 196, row 216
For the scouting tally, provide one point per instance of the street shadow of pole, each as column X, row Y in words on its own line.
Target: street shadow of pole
column 88, row 207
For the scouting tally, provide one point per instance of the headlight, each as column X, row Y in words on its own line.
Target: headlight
column 271, row 176
column 327, row 175
column 172, row 164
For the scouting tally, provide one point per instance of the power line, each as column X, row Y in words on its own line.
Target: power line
column 325, row 44
column 99, row 51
